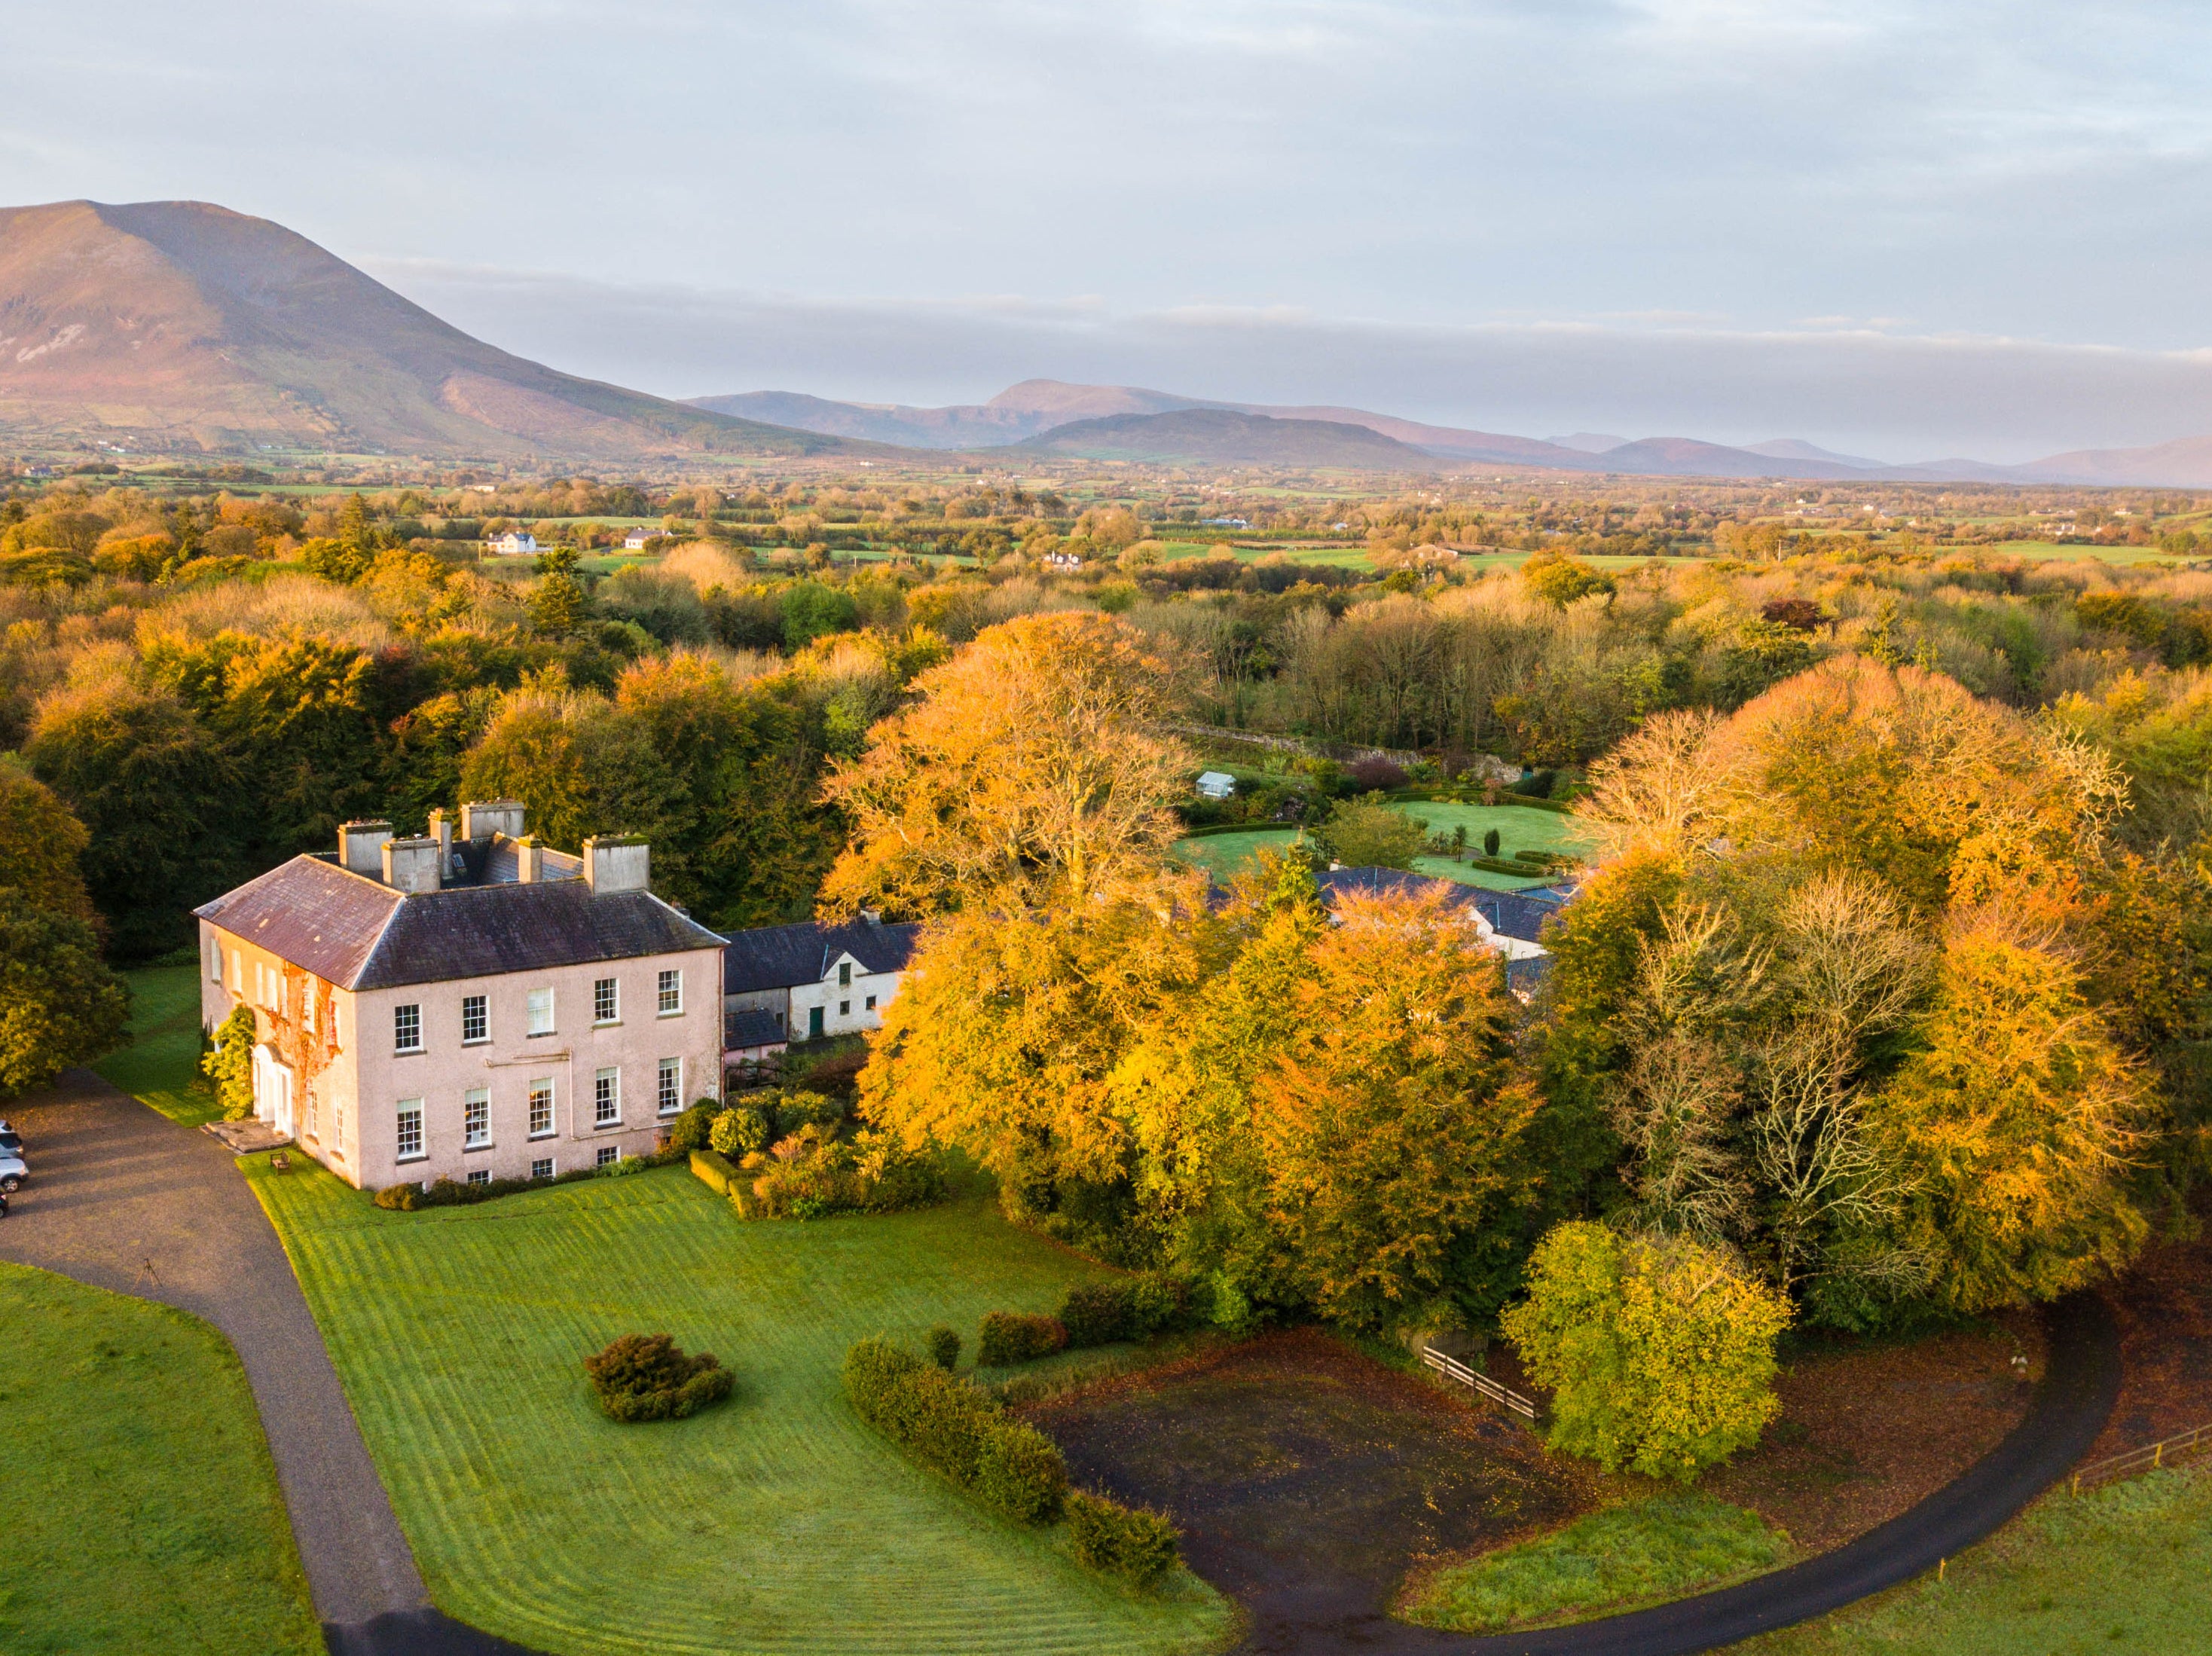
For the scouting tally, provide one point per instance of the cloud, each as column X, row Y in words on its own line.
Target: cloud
column 1850, row 386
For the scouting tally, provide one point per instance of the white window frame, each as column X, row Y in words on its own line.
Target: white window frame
column 609, row 1154
column 476, row 1118
column 543, row 1084
column 606, row 1084
column 214, row 960
column 606, row 992
column 671, row 1099
column 669, row 993
column 409, row 1109
column 542, row 1167
column 477, row 1176
column 399, row 1027
column 538, row 1002
column 482, row 1005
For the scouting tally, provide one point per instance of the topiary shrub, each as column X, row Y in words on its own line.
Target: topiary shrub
column 1012, row 1338
column 739, row 1132
column 229, row 1063
column 1132, row 1543
column 645, row 1377
column 1491, row 842
column 943, row 1345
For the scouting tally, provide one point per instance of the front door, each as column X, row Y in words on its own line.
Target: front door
column 814, row 1023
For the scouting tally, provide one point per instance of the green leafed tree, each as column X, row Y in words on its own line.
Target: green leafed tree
column 59, row 1003
column 1659, row 1351
column 1368, row 834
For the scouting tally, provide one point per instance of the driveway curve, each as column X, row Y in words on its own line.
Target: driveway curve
column 125, row 1199
column 2080, row 1383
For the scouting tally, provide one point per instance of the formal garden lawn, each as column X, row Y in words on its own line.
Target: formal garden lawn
column 774, row 1523
column 161, row 1067
column 1520, row 828
column 140, row 1511
column 2127, row 1568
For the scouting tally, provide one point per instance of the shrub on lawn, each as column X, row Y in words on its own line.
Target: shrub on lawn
column 1126, row 1308
column 1012, row 1338
column 1132, row 1543
column 949, row 1426
column 739, row 1132
column 943, row 1344
column 690, row 1131
column 645, row 1377
column 815, row 1173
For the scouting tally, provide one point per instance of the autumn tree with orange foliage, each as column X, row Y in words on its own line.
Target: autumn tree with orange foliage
column 1031, row 769
column 1394, row 1124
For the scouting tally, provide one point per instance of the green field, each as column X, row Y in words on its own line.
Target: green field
column 774, row 1523
column 140, row 1511
column 1645, row 1552
column 2127, row 1568
column 1519, row 827
column 161, row 1067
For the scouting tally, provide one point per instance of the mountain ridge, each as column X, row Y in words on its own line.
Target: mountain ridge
column 181, row 326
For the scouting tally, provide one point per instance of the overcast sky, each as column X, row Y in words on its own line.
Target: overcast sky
column 1896, row 229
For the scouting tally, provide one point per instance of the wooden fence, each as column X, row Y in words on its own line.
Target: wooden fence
column 1452, row 1369
column 2149, row 1458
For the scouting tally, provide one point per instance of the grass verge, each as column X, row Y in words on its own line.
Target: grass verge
column 141, row 1510
column 2126, row 1568
column 1646, row 1552
column 772, row 1523
column 1520, row 828
column 161, row 1068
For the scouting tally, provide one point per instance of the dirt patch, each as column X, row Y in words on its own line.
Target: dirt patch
column 1868, row 1430
column 1308, row 1480
column 2164, row 1306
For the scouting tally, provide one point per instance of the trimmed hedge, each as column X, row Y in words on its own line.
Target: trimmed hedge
column 715, row 1169
column 949, row 1426
column 645, row 1377
column 1132, row 1543
column 1125, row 1308
column 943, row 1345
column 1009, row 1336
column 445, row 1193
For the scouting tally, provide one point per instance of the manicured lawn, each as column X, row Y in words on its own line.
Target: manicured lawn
column 1646, row 1552
column 140, row 1511
column 2127, row 1568
column 161, row 1067
column 1520, row 828
column 774, row 1523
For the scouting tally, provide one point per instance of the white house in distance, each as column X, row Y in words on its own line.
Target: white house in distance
column 813, row 980
column 635, row 539
column 465, row 1007
column 1216, row 785
column 514, row 543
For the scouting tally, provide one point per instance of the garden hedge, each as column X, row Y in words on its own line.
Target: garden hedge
column 1011, row 1337
column 947, row 1425
column 1132, row 1543
column 645, row 1377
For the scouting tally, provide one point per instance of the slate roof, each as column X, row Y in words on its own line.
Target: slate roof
column 1511, row 914
column 784, row 957
column 359, row 934
column 751, row 1027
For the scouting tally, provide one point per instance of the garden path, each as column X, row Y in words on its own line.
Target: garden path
column 124, row 1199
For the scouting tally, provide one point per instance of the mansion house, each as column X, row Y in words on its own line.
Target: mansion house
column 470, row 1005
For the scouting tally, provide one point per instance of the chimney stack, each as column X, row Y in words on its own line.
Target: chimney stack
column 616, row 862
column 357, row 847
column 412, row 865
column 482, row 818
column 441, row 830
column 528, row 871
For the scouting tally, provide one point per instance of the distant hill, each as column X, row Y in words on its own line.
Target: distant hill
column 180, row 326
column 1224, row 436
column 2184, row 463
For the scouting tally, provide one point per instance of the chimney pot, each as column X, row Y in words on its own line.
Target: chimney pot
column 482, row 818
column 528, row 869
column 357, row 847
column 412, row 865
column 617, row 863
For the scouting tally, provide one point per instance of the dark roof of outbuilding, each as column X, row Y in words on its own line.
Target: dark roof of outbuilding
column 783, row 956
column 359, row 934
column 751, row 1027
